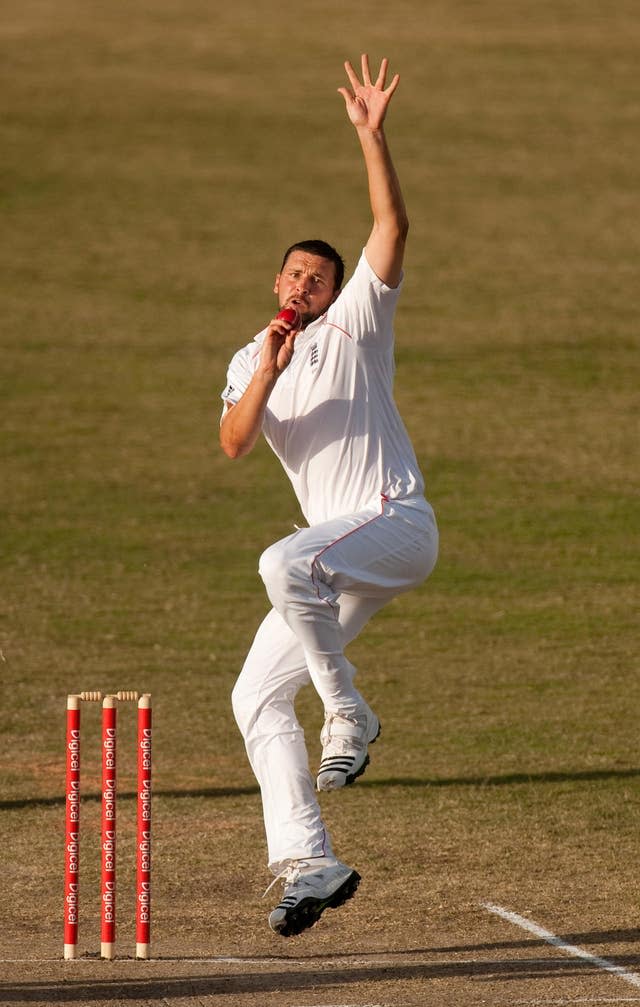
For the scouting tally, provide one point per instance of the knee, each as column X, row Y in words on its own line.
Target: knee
column 277, row 569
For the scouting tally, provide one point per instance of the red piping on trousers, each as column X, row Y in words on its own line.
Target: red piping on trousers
column 384, row 499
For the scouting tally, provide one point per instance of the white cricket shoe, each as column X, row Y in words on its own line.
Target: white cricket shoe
column 344, row 747
column 308, row 891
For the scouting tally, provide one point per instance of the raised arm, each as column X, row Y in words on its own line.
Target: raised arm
column 367, row 104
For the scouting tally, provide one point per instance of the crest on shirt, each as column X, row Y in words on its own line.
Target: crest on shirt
column 314, row 358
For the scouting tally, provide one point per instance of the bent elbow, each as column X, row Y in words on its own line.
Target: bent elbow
column 234, row 448
column 401, row 229
column 230, row 449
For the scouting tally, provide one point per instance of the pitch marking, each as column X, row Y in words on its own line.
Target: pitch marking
column 569, row 949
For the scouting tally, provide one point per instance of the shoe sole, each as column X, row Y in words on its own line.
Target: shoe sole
column 307, row 913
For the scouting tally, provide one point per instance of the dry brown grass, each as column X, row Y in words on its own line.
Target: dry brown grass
column 157, row 158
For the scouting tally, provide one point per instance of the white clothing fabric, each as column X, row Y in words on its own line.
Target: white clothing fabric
column 325, row 583
column 332, row 421
column 331, row 418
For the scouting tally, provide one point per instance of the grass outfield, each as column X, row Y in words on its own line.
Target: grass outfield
column 157, row 158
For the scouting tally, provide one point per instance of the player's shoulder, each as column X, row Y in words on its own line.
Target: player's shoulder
column 249, row 353
column 364, row 281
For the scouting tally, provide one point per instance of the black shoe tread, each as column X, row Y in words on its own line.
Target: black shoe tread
column 307, row 912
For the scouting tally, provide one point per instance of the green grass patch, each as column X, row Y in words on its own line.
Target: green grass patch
column 157, row 158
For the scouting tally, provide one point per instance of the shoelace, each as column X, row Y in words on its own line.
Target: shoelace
column 290, row 872
column 347, row 729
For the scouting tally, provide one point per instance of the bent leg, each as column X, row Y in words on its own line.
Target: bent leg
column 370, row 555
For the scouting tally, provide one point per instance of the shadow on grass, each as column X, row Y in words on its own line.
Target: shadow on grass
column 506, row 780
column 290, row 978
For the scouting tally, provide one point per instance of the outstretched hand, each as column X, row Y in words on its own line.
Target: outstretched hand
column 367, row 102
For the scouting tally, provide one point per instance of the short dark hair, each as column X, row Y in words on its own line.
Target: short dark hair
column 315, row 246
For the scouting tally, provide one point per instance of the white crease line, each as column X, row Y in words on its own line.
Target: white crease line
column 141, row 965
column 569, row 949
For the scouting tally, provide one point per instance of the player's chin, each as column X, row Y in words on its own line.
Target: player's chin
column 307, row 317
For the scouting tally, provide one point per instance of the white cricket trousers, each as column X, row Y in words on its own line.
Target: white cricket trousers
column 325, row 583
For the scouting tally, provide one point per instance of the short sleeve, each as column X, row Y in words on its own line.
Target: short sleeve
column 366, row 307
column 241, row 370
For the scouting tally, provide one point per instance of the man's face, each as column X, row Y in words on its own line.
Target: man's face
column 306, row 283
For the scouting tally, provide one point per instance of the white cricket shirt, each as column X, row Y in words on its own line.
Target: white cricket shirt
column 331, row 418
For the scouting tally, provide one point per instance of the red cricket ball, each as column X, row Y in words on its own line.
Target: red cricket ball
column 290, row 315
